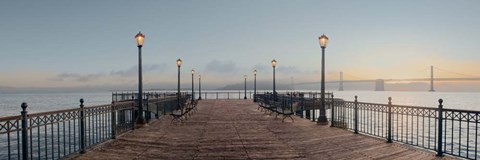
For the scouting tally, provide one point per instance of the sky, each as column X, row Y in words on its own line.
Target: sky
column 62, row 44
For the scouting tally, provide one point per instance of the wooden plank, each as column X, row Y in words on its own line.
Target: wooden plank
column 235, row 129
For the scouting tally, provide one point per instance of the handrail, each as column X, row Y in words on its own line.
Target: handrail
column 56, row 134
column 455, row 130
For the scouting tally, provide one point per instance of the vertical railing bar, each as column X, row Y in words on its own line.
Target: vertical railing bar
column 356, row 115
column 459, row 133
column 423, row 128
column 75, row 125
column 53, row 141
column 417, row 123
column 46, row 140
column 429, row 126
column 370, row 120
column 468, row 133
column 8, row 140
column 407, row 135
column 58, row 137
column 451, row 137
column 38, row 139
column 476, row 135
column 332, row 110
column 99, row 125
column 70, row 136
column 435, row 121
column 31, row 137
column 95, row 126
column 18, row 138
column 64, row 139
column 377, row 121
column 389, row 125
column 113, row 120
column 382, row 121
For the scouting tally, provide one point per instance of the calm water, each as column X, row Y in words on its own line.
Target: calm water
column 453, row 100
column 10, row 103
column 39, row 102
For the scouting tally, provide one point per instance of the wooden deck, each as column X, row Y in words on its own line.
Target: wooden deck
column 235, row 129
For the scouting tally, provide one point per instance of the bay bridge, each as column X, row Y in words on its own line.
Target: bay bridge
column 380, row 83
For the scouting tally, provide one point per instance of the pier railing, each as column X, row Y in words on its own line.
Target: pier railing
column 446, row 131
column 207, row 94
column 56, row 134
column 303, row 104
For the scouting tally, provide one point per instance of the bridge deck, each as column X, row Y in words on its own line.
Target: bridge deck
column 235, row 129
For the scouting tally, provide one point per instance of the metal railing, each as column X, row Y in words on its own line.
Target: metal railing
column 303, row 104
column 446, row 131
column 56, row 134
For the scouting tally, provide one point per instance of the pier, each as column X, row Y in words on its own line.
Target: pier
column 236, row 129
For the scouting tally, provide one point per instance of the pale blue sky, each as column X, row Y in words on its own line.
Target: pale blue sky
column 90, row 43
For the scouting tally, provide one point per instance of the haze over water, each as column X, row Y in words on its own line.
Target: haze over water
column 40, row 102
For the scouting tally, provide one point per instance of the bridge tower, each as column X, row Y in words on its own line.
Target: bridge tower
column 431, row 79
column 341, row 82
column 379, row 85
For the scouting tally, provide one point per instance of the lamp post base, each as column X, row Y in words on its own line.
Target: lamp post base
column 141, row 123
column 322, row 120
column 244, row 97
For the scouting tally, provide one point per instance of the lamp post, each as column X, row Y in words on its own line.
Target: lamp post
column 139, row 39
column 255, row 85
column 245, row 77
column 274, row 64
column 179, row 64
column 193, row 93
column 199, row 87
column 322, row 119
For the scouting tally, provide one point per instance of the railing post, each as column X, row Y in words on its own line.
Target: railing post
column 302, row 99
column 356, row 115
column 440, row 129
column 114, row 120
column 333, row 113
column 82, row 127
column 157, row 105
column 24, row 131
column 147, row 113
column 389, row 125
column 134, row 115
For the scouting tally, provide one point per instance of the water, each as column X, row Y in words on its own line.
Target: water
column 39, row 102
column 451, row 100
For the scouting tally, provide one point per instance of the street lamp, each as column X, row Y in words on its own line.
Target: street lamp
column 274, row 64
column 193, row 93
column 139, row 38
column 255, row 85
column 199, row 87
column 179, row 64
column 322, row 119
column 245, row 77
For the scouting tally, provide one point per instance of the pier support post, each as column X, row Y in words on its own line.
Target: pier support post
column 24, row 131
column 82, row 127
column 440, row 128
column 389, row 134
column 356, row 115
